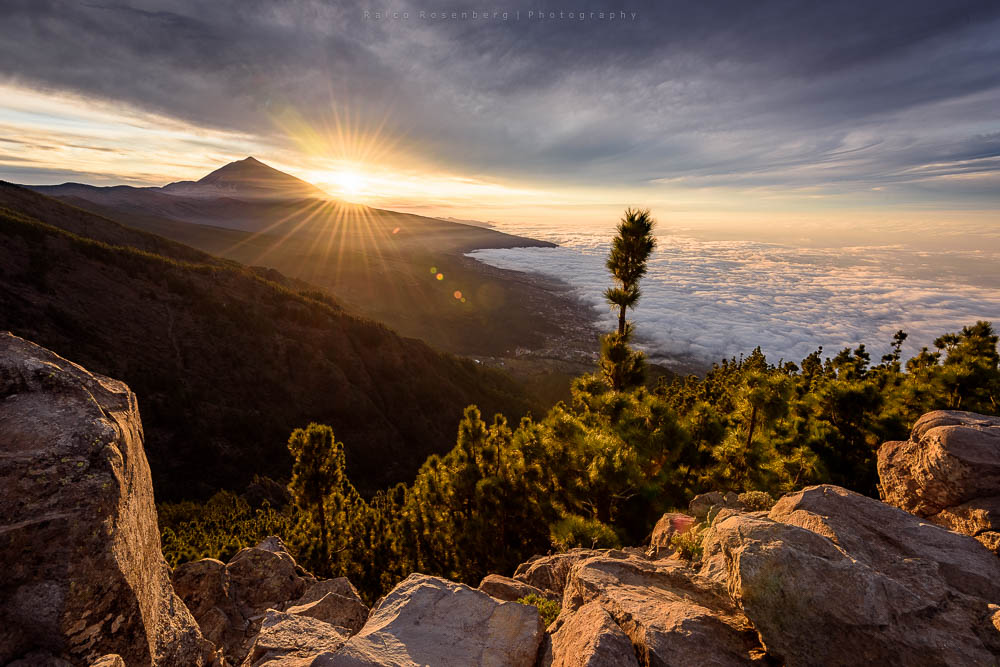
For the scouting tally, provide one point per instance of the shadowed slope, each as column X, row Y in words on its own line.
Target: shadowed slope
column 376, row 262
column 226, row 362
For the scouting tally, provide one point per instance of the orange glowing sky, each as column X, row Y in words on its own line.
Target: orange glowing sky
column 51, row 137
column 696, row 114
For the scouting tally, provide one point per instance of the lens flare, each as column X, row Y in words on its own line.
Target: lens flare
column 457, row 294
column 440, row 276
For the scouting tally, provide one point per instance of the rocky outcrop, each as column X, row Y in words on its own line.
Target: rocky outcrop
column 702, row 504
column 826, row 576
column 671, row 614
column 431, row 621
column 511, row 590
column 549, row 573
column 204, row 587
column 230, row 600
column 979, row 518
column 333, row 609
column 589, row 637
column 83, row 573
column 835, row 578
column 949, row 472
column 286, row 639
column 265, row 577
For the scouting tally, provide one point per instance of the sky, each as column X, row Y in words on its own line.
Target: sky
column 820, row 116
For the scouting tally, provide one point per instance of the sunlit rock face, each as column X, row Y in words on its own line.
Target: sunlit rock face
column 83, row 573
column 832, row 577
column 589, row 637
column 432, row 621
column 949, row 472
column 232, row 602
column 670, row 613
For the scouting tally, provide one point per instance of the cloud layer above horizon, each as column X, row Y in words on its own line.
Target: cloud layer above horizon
column 886, row 104
column 704, row 300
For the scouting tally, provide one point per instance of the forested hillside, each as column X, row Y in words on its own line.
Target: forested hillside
column 376, row 262
column 601, row 470
column 226, row 360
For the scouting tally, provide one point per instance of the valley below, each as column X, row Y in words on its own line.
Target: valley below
column 409, row 272
column 283, row 311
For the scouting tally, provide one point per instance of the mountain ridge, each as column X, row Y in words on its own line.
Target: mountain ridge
column 247, row 178
column 376, row 262
column 227, row 359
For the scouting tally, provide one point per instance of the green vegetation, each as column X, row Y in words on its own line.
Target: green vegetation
column 757, row 501
column 217, row 528
column 688, row 545
column 621, row 366
column 547, row 609
column 225, row 359
column 599, row 470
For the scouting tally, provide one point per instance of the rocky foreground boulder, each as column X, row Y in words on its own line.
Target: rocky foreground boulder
column 824, row 577
column 231, row 600
column 261, row 609
column 588, row 636
column 549, row 573
column 83, row 575
column 831, row 577
column 949, row 472
column 512, row 590
column 432, row 621
column 286, row 639
column 669, row 525
column 671, row 614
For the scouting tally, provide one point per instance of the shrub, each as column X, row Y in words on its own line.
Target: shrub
column 688, row 545
column 577, row 531
column 547, row 609
column 757, row 501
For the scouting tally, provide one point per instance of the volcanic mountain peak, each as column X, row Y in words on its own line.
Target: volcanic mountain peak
column 247, row 178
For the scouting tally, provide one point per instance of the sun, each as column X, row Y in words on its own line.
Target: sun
column 349, row 182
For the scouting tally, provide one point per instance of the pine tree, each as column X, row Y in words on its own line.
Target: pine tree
column 627, row 260
column 318, row 471
column 621, row 366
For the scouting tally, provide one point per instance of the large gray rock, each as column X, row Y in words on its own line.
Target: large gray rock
column 265, row 577
column 511, row 590
column 335, row 610
column 205, row 588
column 83, row 574
column 287, row 639
column 671, row 614
column 831, row 577
column 549, row 573
column 588, row 637
column 230, row 600
column 702, row 504
column 431, row 621
column 949, row 472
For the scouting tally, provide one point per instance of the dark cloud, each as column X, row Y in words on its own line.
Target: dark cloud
column 836, row 94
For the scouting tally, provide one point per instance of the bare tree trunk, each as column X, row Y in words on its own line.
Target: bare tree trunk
column 621, row 321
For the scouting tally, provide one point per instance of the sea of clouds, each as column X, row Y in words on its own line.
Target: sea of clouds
column 707, row 299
